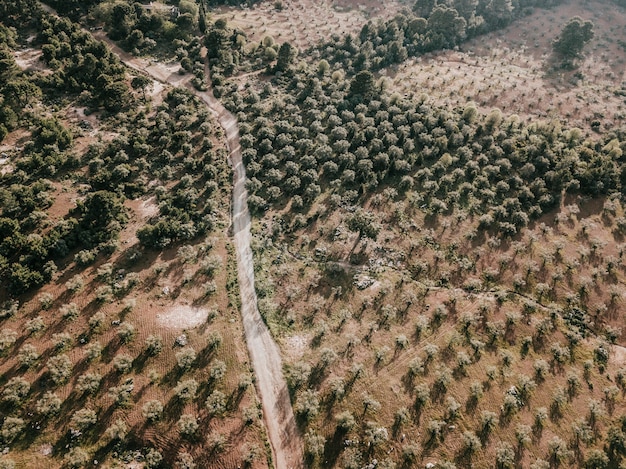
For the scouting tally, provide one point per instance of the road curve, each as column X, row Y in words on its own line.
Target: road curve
column 282, row 431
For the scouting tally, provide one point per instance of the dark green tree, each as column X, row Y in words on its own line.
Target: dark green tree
column 363, row 85
column 286, row 56
column 575, row 35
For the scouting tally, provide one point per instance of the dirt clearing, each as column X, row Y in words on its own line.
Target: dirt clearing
column 182, row 317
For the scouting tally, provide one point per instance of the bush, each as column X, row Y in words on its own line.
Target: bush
column 77, row 457
column 59, row 368
column 49, row 404
column 83, row 419
column 152, row 410
column 11, row 429
column 123, row 363
column 15, row 391
column 187, row 425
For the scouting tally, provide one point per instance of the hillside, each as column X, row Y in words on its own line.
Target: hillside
column 437, row 234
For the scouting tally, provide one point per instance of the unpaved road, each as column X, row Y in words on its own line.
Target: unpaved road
column 282, row 430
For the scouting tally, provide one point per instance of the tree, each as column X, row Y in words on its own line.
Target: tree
column 286, row 55
column 77, row 457
column 11, row 428
column 60, row 368
column 15, row 391
column 153, row 345
column 152, row 410
column 49, row 404
column 83, row 419
column 505, row 456
column 185, row 358
column 445, row 27
column 471, row 444
column 141, row 82
column 575, row 35
column 187, row 425
column 186, row 390
column 89, row 383
column 364, row 223
column 363, row 85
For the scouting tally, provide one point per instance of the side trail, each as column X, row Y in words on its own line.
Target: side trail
column 282, row 431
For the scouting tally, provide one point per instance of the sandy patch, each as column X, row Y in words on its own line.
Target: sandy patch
column 28, row 59
column 296, row 345
column 617, row 357
column 148, row 208
column 5, row 167
column 46, row 449
column 182, row 317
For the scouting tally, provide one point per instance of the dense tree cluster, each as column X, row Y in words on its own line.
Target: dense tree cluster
column 432, row 26
column 140, row 27
column 314, row 134
column 82, row 65
column 173, row 142
column 575, row 35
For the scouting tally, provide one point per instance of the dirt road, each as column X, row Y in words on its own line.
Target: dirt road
column 282, row 430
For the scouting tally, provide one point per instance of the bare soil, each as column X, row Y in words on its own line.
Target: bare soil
column 513, row 70
column 182, row 317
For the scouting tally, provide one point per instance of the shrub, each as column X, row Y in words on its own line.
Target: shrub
column 123, row 363
column 15, row 391
column 60, row 368
column 187, row 425
column 83, row 419
column 186, row 390
column 152, row 410
column 49, row 404
column 11, row 429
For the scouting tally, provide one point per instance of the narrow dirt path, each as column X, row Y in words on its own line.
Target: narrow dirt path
column 282, row 431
